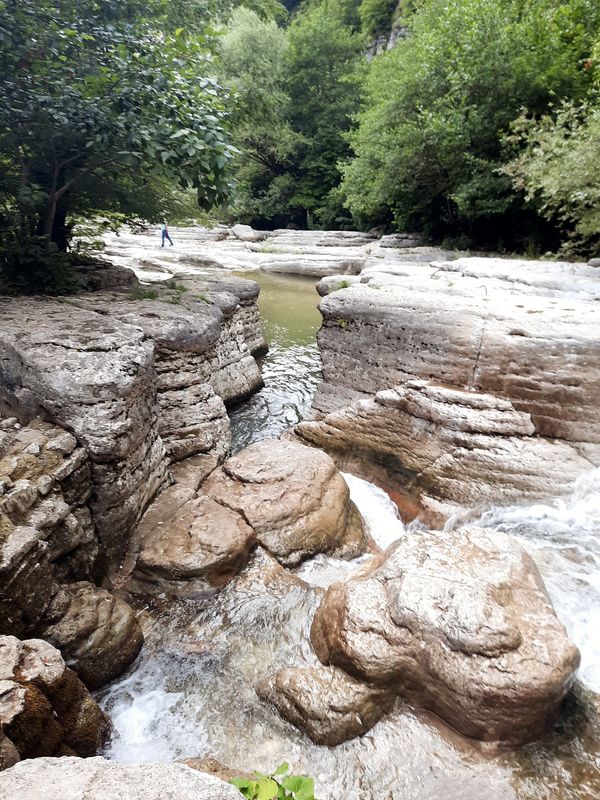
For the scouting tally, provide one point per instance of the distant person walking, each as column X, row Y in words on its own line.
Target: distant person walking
column 165, row 234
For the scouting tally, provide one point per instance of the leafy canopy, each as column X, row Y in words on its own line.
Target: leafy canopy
column 429, row 147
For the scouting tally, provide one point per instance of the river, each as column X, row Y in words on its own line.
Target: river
column 191, row 691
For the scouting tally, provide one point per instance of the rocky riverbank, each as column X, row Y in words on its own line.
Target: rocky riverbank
column 461, row 383
column 454, row 383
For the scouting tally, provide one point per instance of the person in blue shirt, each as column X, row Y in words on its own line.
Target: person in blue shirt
column 165, row 234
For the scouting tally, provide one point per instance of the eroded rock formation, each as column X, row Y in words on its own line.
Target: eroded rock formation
column 458, row 623
column 50, row 554
column 510, row 354
column 294, row 499
column 285, row 496
column 441, row 450
column 45, row 710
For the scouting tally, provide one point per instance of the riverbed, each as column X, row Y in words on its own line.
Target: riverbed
column 191, row 691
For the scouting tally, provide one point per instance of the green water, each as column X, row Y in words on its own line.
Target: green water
column 291, row 369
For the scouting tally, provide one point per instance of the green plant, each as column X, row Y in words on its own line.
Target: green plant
column 341, row 323
column 277, row 786
column 203, row 298
column 343, row 285
column 141, row 293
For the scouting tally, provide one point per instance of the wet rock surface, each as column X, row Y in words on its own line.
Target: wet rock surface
column 45, row 710
column 76, row 779
column 326, row 703
column 294, row 499
column 458, row 623
column 189, row 546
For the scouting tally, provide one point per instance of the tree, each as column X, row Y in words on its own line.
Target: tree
column 558, row 171
column 252, row 59
column 97, row 94
column 431, row 142
column 324, row 78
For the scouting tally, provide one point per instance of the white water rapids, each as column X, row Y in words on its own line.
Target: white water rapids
column 192, row 690
column 179, row 702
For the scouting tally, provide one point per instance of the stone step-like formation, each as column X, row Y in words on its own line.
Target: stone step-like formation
column 458, row 623
column 50, row 553
column 140, row 378
column 522, row 335
column 45, row 710
column 440, row 450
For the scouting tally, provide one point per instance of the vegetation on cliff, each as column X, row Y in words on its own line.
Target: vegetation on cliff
column 480, row 127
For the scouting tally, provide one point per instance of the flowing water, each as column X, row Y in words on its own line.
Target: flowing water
column 191, row 691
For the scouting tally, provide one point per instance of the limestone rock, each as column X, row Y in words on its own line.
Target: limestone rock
column 95, row 377
column 189, row 546
column 294, row 499
column 519, row 331
column 441, row 450
column 247, row 234
column 458, row 623
column 77, row 779
column 97, row 632
column 45, row 709
column 214, row 767
column 326, row 703
column 48, row 542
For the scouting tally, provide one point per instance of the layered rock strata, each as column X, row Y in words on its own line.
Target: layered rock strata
column 458, row 623
column 45, row 710
column 514, row 339
column 440, row 450
column 50, row 554
column 326, row 703
column 310, row 253
column 73, row 779
column 141, row 379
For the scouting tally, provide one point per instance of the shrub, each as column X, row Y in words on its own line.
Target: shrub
column 277, row 786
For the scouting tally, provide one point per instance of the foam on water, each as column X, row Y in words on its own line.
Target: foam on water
column 564, row 539
column 143, row 712
column 379, row 513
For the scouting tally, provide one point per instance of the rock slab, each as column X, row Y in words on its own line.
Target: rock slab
column 76, row 779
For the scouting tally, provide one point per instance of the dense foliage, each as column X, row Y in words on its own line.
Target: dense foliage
column 295, row 93
column 481, row 127
column 106, row 107
column 431, row 142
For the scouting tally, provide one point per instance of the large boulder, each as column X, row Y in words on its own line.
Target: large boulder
column 76, row 779
column 189, row 546
column 326, row 703
column 458, row 623
column 294, row 499
column 45, row 710
column 97, row 632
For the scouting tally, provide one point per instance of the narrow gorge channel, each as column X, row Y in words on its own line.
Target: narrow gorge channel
column 191, row 693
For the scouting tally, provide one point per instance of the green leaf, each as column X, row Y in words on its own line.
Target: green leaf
column 267, row 790
column 281, row 769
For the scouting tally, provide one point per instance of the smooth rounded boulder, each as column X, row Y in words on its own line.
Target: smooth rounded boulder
column 293, row 497
column 458, row 623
